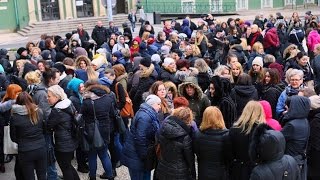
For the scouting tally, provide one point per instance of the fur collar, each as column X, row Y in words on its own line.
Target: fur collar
column 147, row 72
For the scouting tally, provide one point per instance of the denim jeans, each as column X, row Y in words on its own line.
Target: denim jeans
column 104, row 158
column 115, row 149
column 139, row 175
column 133, row 25
column 52, row 172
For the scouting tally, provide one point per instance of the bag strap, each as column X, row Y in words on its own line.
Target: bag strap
column 94, row 111
column 116, row 89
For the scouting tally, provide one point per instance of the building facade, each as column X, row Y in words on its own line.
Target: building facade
column 17, row 14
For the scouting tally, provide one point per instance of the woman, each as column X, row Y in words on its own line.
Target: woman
column 289, row 53
column 12, row 93
column 26, row 129
column 49, row 45
column 112, row 42
column 121, row 75
column 168, row 70
column 204, row 74
column 212, row 146
column 316, row 66
column 295, row 79
column 84, row 70
column 172, row 92
column 243, row 92
column 201, row 42
column 257, row 51
column 176, row 155
column 236, row 69
column 296, row 130
column 240, row 135
column 60, row 122
column 274, row 124
column 98, row 98
column 120, row 44
column 301, row 62
column 160, row 90
column 256, row 72
column 142, row 132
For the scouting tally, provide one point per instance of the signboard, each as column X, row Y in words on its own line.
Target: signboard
column 79, row 3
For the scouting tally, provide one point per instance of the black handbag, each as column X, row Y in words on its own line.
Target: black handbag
column 118, row 119
column 151, row 159
column 98, row 141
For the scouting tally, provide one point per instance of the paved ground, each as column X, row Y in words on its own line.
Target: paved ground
column 14, row 40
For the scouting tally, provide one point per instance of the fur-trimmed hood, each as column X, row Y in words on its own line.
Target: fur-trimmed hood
column 266, row 144
column 182, row 90
column 95, row 91
column 148, row 71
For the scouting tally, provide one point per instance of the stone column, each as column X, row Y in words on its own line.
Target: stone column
column 68, row 4
column 61, row 10
column 32, row 11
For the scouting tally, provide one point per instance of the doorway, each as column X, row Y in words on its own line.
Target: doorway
column 122, row 6
column 50, row 10
column 84, row 8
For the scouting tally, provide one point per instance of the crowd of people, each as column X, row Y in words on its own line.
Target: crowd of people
column 239, row 99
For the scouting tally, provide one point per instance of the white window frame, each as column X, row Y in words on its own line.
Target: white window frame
column 212, row 4
column 289, row 2
column 270, row 6
column 242, row 8
column 192, row 8
column 309, row 1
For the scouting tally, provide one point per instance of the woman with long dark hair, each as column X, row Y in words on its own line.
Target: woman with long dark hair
column 26, row 129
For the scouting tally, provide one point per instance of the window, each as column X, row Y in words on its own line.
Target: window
column 187, row 7
column 309, row 1
column 242, row 4
column 216, row 5
column 267, row 4
column 289, row 2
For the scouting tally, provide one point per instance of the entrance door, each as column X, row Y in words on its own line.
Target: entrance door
column 122, row 6
column 50, row 10
column 267, row 4
column 84, row 8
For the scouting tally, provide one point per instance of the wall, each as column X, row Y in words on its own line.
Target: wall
column 14, row 14
column 254, row 4
column 278, row 3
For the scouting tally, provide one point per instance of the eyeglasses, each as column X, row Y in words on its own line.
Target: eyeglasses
column 295, row 80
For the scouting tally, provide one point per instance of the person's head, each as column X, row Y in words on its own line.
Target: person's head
column 236, row 69
column 180, row 102
column 99, row 23
column 212, row 119
column 55, row 94
column 76, row 86
column 188, row 50
column 112, row 42
column 258, row 48
column 252, row 114
column 268, row 59
column 244, row 79
column 257, row 64
column 271, row 76
column 24, row 99
column 35, row 51
column 82, row 62
column 51, row 77
column 154, row 101
column 158, row 89
column 145, row 63
column 49, row 43
column 121, row 39
column 33, row 77
column 12, row 92
column 201, row 65
column 110, row 74
column 80, row 26
column 23, row 52
column 171, row 89
column 170, row 63
column 185, row 114
column 119, row 69
column 190, row 89
column 316, row 50
column 223, row 71
column 254, row 28
column 231, row 59
column 295, row 78
column 302, row 59
column 42, row 65
column 30, row 45
column 161, row 36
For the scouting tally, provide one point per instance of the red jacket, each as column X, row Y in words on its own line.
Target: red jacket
column 271, row 39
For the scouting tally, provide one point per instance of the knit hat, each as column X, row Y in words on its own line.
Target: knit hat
column 58, row 92
column 3, row 51
column 46, row 55
column 20, row 50
column 98, row 60
column 146, row 61
column 61, row 43
column 117, row 54
column 167, row 61
column 278, row 14
column 165, row 50
column 79, row 51
column 153, row 99
column 308, row 13
column 61, row 67
column 156, row 58
column 74, row 84
column 269, row 25
column 247, row 23
column 258, row 61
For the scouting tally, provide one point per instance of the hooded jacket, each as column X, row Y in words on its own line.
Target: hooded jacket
column 197, row 103
column 186, row 28
column 177, row 159
column 267, row 148
column 28, row 136
column 274, row 124
column 142, row 133
column 60, row 121
column 99, row 98
column 313, row 39
column 296, row 129
column 242, row 94
column 271, row 39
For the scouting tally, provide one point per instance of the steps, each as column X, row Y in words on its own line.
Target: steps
column 59, row 26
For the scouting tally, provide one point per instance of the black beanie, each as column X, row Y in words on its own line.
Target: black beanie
column 146, row 61
column 20, row 50
column 61, row 67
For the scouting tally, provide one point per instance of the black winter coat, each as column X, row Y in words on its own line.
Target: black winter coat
column 203, row 80
column 314, row 144
column 213, row 150
column 242, row 94
column 104, row 101
column 271, row 94
column 100, row 35
column 60, row 122
column 27, row 135
column 177, row 159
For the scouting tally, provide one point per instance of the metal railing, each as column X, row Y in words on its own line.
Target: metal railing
column 188, row 7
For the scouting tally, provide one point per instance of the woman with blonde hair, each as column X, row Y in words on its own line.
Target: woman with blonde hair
column 176, row 158
column 201, row 42
column 212, row 145
column 257, row 51
column 204, row 74
column 236, row 70
column 240, row 134
column 160, row 90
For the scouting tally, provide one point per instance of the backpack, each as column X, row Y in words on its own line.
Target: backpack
column 127, row 110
